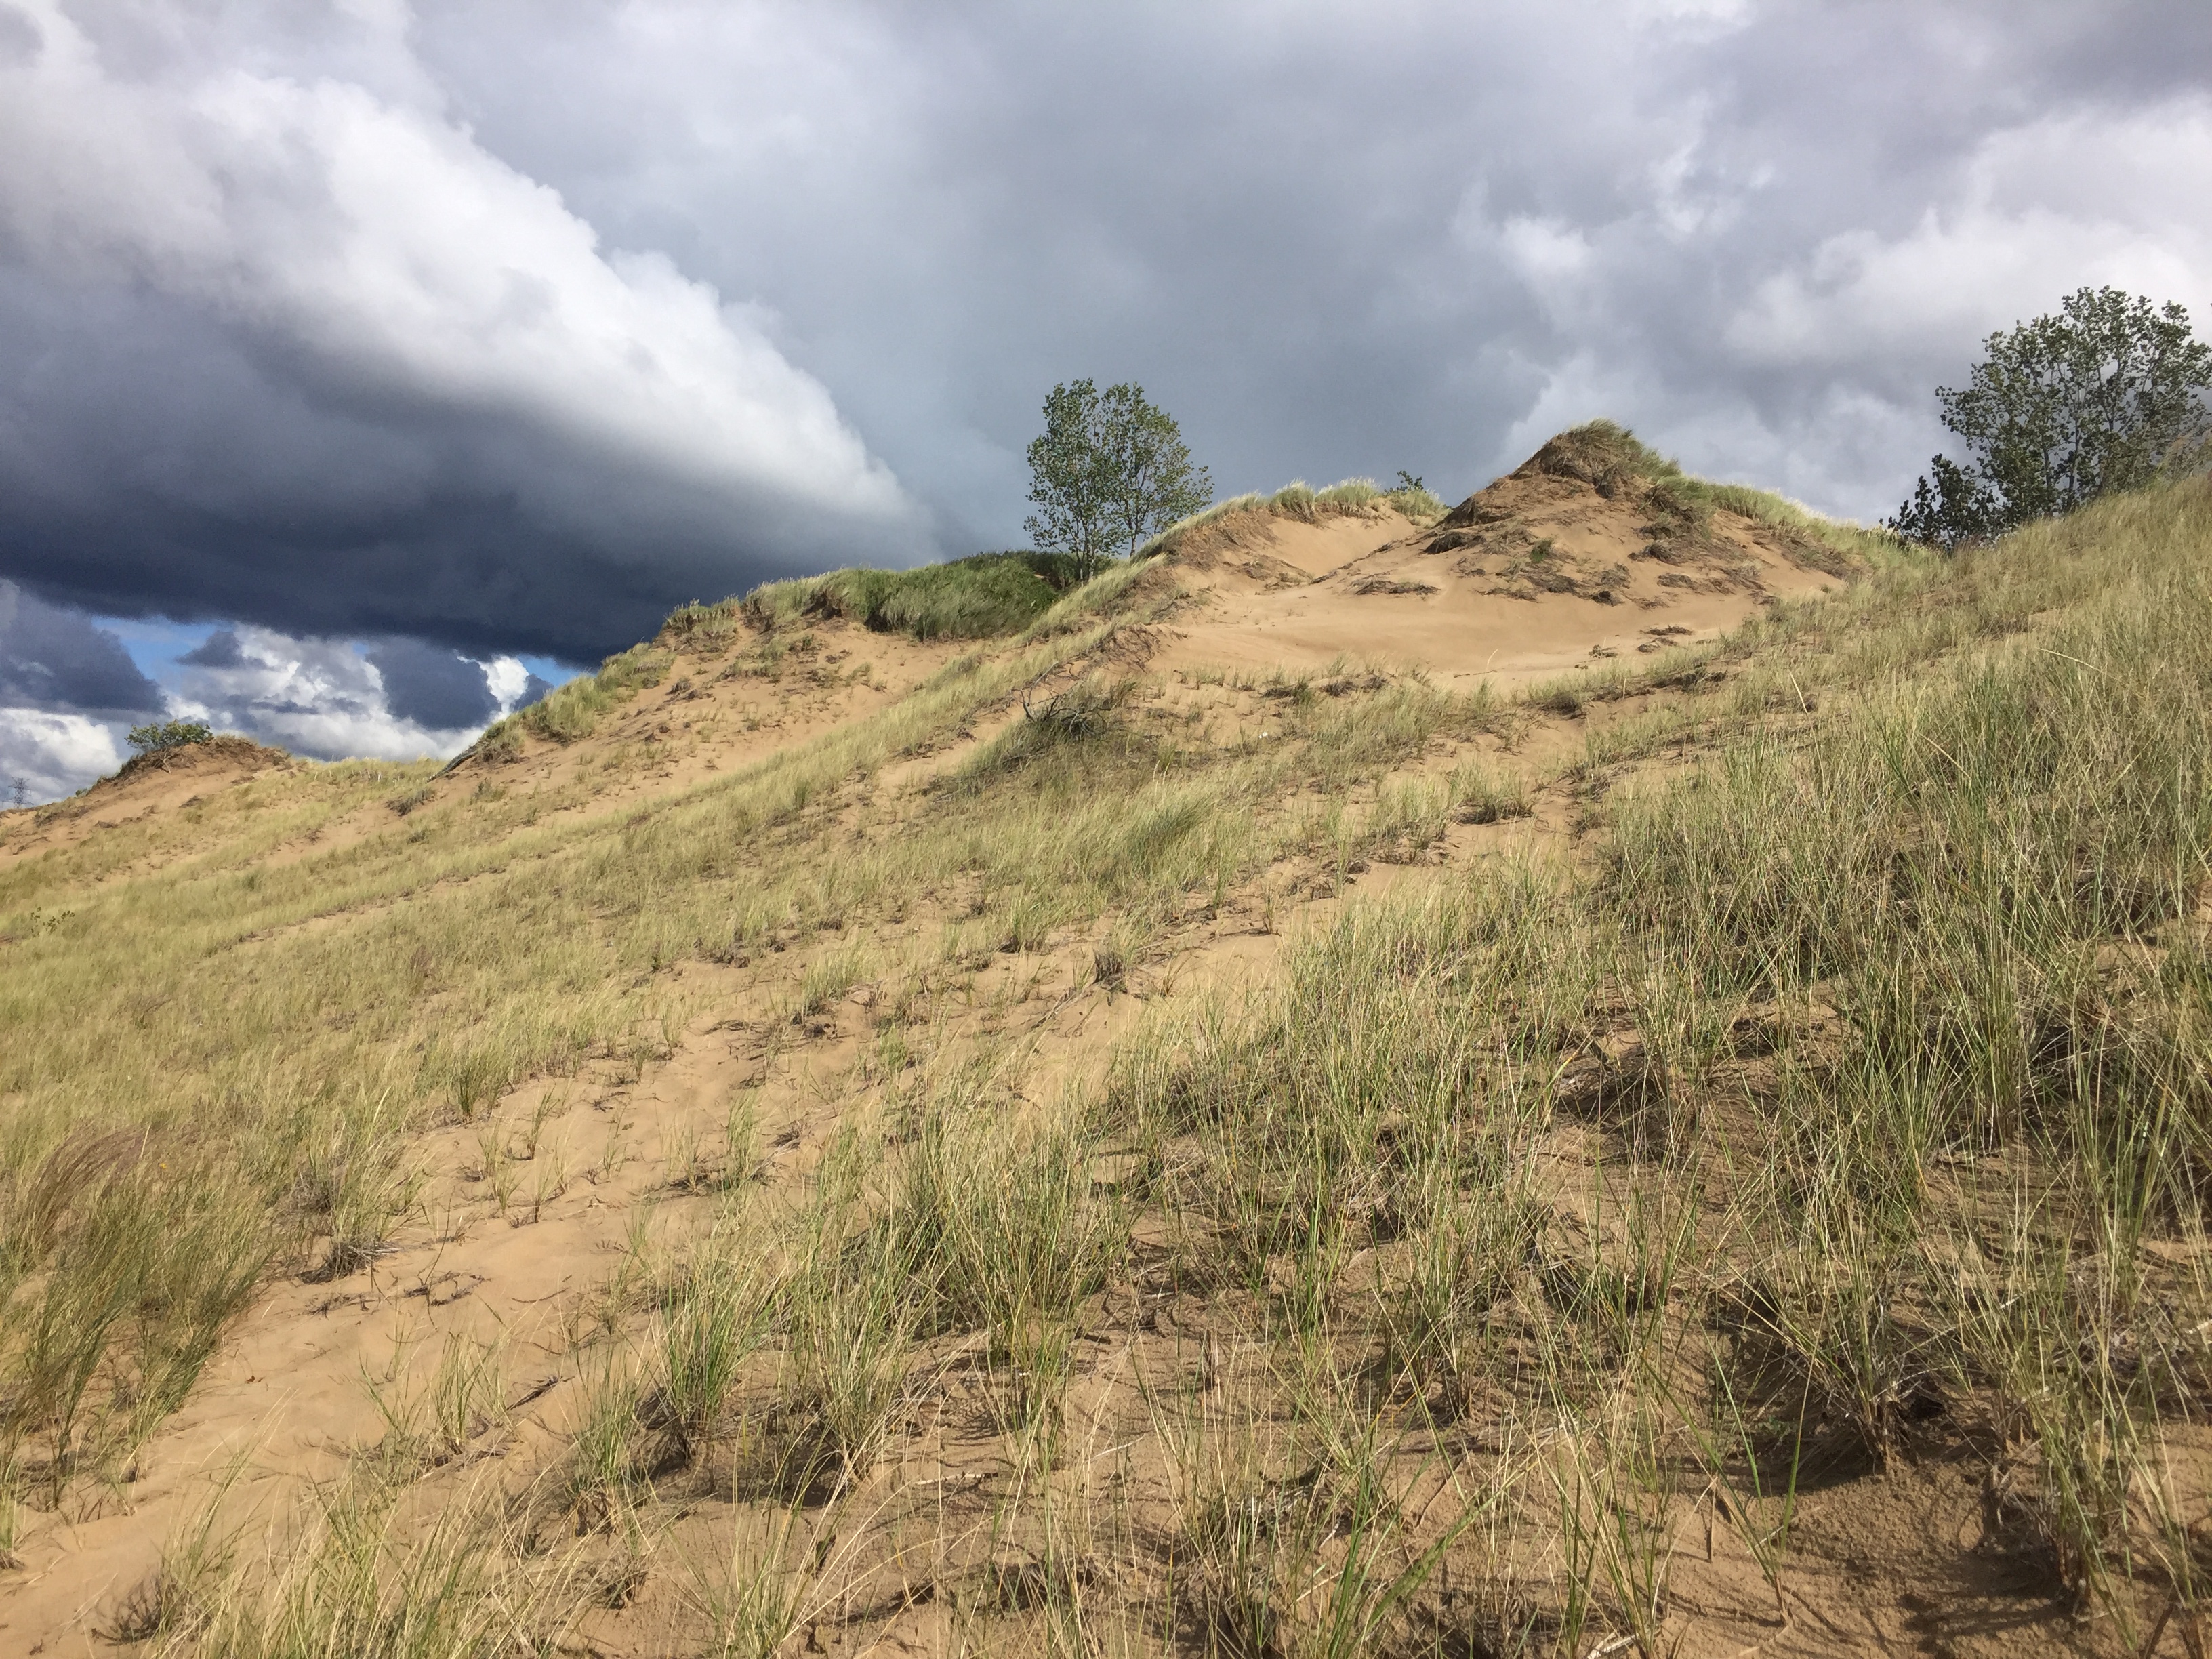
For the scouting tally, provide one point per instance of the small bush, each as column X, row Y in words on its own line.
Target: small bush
column 501, row 741
column 169, row 734
column 1086, row 712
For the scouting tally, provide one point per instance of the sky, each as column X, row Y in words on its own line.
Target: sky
column 365, row 367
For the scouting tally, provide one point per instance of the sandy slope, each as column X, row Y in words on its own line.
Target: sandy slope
column 1466, row 601
column 1534, row 575
column 158, row 785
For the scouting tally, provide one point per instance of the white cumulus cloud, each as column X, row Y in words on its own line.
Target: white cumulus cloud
column 323, row 698
column 44, row 753
column 2099, row 198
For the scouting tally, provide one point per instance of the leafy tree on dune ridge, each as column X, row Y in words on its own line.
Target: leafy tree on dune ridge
column 1109, row 469
column 2059, row 411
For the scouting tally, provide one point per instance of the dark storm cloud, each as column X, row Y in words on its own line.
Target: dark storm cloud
column 433, row 687
column 159, row 464
column 58, row 661
column 1338, row 239
column 280, row 343
column 507, row 326
column 218, row 650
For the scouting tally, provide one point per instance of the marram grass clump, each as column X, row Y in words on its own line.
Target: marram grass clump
column 982, row 597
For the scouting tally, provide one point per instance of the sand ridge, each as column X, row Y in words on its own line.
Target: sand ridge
column 153, row 785
column 1530, row 577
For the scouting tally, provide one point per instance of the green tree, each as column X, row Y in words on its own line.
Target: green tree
column 2059, row 411
column 1071, row 483
column 169, row 734
column 1154, row 482
column 1110, row 469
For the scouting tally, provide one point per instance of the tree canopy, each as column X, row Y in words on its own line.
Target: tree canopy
column 2059, row 411
column 1109, row 469
column 169, row 734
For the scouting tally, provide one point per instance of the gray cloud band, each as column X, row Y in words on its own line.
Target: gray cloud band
column 58, row 661
column 295, row 330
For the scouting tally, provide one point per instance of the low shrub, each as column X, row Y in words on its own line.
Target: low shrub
column 169, row 734
column 502, row 740
column 1085, row 713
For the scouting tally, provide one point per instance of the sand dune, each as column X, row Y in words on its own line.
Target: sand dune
column 1316, row 670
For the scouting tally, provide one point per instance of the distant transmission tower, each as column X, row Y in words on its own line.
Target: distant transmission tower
column 19, row 792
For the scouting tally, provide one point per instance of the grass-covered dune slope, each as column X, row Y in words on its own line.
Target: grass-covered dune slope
column 1702, row 1154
